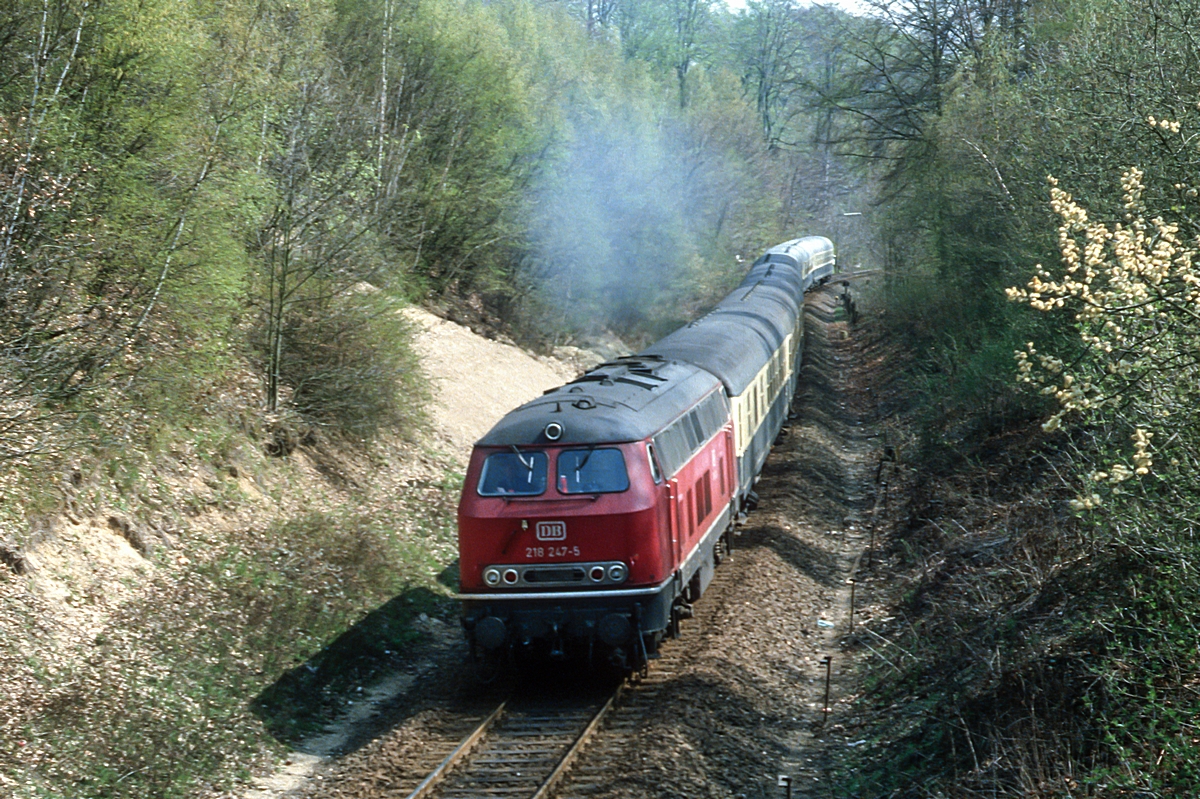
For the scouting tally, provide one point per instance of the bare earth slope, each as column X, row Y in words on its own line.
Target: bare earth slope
column 476, row 380
column 114, row 548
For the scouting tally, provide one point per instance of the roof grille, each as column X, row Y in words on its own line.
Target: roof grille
column 634, row 370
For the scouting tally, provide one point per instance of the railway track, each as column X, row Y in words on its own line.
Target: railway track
column 561, row 746
column 520, row 750
column 612, row 750
column 556, row 735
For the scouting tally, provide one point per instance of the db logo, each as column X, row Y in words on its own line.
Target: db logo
column 551, row 531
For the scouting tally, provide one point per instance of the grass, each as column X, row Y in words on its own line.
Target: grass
column 239, row 641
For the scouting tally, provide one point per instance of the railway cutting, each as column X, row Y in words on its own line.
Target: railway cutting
column 740, row 700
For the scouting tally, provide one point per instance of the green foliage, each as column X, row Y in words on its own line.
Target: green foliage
column 1082, row 90
column 453, row 138
column 1145, row 697
column 350, row 366
column 1130, row 291
column 201, row 159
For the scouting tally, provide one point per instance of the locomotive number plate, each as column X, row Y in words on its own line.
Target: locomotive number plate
column 551, row 552
column 551, row 531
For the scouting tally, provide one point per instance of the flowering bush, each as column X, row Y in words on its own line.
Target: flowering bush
column 1131, row 378
column 1134, row 291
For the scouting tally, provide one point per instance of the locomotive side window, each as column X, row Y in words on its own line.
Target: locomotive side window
column 592, row 471
column 683, row 437
column 697, row 428
column 508, row 474
column 671, row 447
column 712, row 413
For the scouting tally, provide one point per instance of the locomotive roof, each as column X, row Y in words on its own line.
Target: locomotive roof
column 627, row 399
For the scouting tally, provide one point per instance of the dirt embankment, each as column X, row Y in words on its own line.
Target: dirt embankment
column 475, row 380
column 127, row 540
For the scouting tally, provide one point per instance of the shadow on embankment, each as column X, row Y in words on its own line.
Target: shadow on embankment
column 819, row 565
column 304, row 699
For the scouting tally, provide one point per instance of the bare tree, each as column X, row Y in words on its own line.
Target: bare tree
column 309, row 244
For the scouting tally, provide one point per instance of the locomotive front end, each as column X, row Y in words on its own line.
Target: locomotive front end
column 561, row 549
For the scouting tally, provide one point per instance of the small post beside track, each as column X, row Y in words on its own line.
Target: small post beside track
column 853, row 585
column 827, row 662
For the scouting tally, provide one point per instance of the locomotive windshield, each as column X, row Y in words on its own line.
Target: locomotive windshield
column 591, row 471
column 516, row 473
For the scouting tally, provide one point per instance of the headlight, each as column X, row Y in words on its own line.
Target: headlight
column 616, row 572
column 491, row 576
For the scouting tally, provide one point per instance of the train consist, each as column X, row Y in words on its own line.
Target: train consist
column 592, row 517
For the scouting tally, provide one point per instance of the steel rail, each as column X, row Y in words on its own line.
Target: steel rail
column 458, row 754
column 543, row 791
column 537, row 790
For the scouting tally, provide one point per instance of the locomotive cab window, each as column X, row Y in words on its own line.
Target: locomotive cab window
column 509, row 474
column 591, row 471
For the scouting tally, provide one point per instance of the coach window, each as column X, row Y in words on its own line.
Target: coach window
column 654, row 471
column 591, row 471
column 516, row 473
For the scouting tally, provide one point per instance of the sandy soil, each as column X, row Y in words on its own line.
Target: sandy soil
column 478, row 380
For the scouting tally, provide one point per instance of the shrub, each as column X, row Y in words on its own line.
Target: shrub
column 349, row 365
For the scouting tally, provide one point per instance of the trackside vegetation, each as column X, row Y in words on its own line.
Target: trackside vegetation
column 1038, row 223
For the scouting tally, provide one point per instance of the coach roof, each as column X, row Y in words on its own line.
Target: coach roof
column 736, row 339
column 627, row 399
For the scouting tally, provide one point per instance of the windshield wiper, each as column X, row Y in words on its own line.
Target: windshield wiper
column 583, row 462
column 528, row 464
column 579, row 466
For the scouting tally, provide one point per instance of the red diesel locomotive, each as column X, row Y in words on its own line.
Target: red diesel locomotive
column 592, row 517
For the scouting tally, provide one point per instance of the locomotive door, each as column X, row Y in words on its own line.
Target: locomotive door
column 674, row 520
